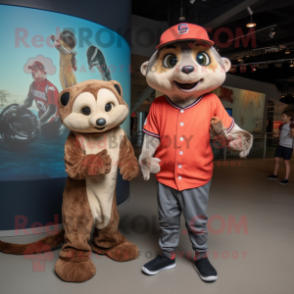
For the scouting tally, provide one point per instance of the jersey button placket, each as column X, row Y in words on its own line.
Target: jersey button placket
column 177, row 151
column 181, row 152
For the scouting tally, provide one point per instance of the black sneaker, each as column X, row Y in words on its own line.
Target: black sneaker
column 205, row 270
column 272, row 177
column 284, row 182
column 158, row 264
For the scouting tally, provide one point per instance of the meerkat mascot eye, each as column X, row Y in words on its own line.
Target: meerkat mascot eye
column 95, row 148
column 185, row 68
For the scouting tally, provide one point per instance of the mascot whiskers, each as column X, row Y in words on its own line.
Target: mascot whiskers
column 176, row 146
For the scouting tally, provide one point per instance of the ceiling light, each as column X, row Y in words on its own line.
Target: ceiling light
column 251, row 23
column 192, row 1
column 287, row 52
column 182, row 17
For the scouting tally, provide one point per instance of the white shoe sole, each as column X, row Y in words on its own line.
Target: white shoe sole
column 150, row 273
column 206, row 279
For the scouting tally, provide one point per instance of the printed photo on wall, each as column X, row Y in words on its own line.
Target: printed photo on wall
column 246, row 106
column 40, row 61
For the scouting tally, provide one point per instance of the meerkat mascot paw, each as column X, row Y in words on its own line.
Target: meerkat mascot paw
column 148, row 163
column 95, row 148
column 236, row 140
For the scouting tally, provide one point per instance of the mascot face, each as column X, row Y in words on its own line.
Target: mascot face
column 185, row 70
column 92, row 106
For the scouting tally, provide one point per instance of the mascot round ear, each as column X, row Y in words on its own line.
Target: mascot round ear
column 64, row 98
column 144, row 67
column 117, row 87
column 227, row 64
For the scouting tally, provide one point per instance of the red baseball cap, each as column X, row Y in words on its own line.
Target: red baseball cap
column 185, row 31
column 37, row 65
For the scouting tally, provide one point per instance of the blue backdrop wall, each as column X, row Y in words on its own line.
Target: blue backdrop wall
column 32, row 176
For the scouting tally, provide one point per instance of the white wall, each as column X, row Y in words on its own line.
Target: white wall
column 270, row 90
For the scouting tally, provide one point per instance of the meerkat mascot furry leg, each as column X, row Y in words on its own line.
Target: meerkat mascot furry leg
column 176, row 146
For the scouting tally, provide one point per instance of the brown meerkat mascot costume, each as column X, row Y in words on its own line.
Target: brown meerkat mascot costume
column 176, row 146
column 95, row 148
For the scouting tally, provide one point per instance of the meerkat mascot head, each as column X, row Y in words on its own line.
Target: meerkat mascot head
column 185, row 65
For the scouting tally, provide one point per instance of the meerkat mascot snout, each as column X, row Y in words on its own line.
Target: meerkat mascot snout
column 95, row 148
column 176, row 146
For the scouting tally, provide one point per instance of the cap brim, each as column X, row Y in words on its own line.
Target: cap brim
column 209, row 43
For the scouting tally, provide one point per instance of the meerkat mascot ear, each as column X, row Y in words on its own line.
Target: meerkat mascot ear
column 95, row 148
column 176, row 146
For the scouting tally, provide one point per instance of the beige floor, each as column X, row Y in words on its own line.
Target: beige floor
column 239, row 190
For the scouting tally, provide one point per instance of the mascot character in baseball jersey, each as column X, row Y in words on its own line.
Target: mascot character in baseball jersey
column 185, row 68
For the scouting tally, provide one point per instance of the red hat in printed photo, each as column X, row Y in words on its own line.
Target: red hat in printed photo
column 185, row 32
column 37, row 65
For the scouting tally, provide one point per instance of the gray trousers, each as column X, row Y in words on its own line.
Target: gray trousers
column 193, row 204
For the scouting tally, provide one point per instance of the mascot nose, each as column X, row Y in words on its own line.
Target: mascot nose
column 100, row 122
column 187, row 69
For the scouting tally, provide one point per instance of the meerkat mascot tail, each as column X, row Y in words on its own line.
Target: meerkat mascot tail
column 185, row 68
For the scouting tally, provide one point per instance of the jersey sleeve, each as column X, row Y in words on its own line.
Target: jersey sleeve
column 221, row 112
column 151, row 123
column 30, row 98
column 52, row 95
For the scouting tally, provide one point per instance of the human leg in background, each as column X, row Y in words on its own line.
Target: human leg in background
column 287, row 165
column 276, row 168
column 285, row 181
column 277, row 163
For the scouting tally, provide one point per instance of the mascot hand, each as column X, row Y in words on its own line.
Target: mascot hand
column 236, row 140
column 130, row 170
column 104, row 162
column 149, row 165
column 241, row 141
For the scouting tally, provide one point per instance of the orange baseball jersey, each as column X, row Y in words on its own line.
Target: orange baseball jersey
column 185, row 151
